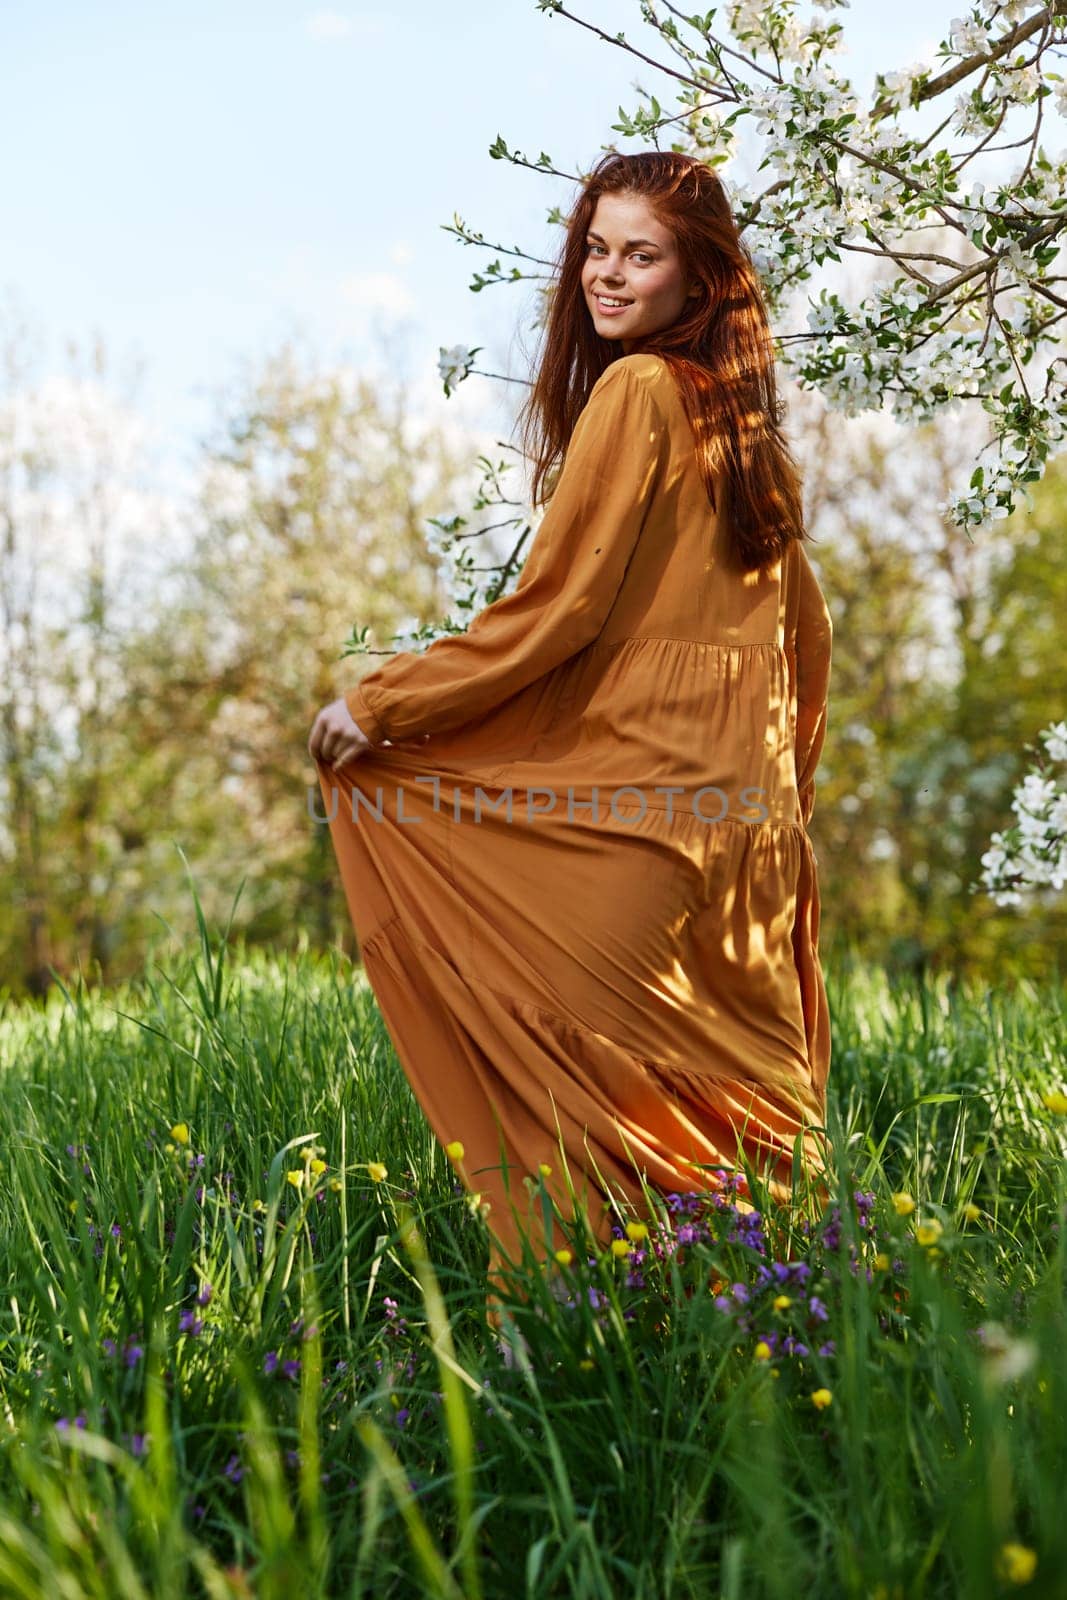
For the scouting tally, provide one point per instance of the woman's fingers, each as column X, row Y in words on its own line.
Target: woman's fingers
column 349, row 752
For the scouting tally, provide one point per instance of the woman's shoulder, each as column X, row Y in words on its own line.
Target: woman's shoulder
column 644, row 368
column 642, row 380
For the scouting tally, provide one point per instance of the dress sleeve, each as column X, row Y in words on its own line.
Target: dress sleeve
column 567, row 585
column 813, row 645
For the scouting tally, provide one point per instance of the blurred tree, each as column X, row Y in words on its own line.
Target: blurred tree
column 946, row 657
column 74, row 568
column 311, row 513
column 163, row 661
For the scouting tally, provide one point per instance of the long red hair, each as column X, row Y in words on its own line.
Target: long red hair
column 720, row 352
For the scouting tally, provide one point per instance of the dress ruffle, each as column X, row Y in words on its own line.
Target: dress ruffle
column 669, row 1009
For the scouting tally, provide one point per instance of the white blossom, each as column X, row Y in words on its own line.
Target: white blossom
column 454, row 365
column 968, row 38
column 1056, row 741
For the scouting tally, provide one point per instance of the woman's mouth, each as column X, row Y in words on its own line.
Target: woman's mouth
column 610, row 306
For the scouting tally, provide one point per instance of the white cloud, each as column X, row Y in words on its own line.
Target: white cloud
column 328, row 25
column 334, row 25
column 377, row 291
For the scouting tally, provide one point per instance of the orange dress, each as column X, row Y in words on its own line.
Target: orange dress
column 587, row 903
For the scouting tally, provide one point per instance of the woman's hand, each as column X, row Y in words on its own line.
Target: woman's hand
column 336, row 737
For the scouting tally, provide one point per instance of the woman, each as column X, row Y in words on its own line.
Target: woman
column 579, row 868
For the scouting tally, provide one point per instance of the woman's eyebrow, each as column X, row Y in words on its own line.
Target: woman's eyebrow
column 629, row 242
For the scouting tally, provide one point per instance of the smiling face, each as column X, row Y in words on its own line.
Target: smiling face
column 632, row 257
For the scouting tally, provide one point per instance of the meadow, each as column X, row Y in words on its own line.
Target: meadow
column 243, row 1348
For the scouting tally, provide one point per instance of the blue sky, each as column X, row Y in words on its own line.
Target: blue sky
column 191, row 183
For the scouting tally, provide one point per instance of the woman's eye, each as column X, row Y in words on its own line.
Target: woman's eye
column 641, row 253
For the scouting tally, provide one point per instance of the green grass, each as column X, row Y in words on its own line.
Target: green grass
column 217, row 1382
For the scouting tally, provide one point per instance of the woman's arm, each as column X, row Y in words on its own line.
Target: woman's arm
column 567, row 586
column 814, row 639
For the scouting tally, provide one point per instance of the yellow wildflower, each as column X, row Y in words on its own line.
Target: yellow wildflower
column 620, row 1247
column 1016, row 1563
column 903, row 1204
column 180, row 1133
column 762, row 1351
column 821, row 1398
column 637, row 1230
column 376, row 1172
column 972, row 1212
column 295, row 1177
column 455, row 1150
column 259, row 1206
column 881, row 1262
column 781, row 1302
column 1055, row 1100
column 336, row 1185
column 317, row 1168
column 544, row 1169
column 928, row 1232
column 564, row 1257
